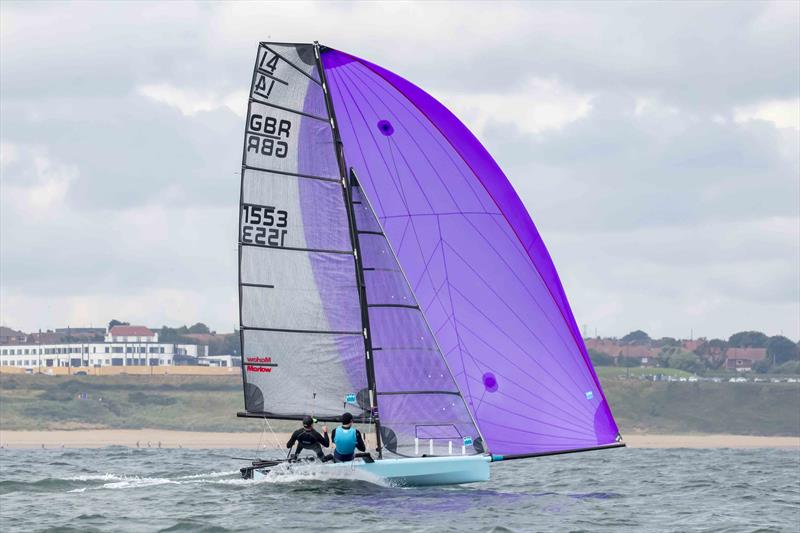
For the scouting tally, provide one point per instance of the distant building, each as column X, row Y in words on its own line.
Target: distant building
column 81, row 331
column 11, row 336
column 123, row 346
column 742, row 359
column 646, row 355
column 220, row 360
column 131, row 334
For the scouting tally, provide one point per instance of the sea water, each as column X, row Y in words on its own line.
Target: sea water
column 122, row 489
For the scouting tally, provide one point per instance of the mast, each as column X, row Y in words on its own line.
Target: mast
column 362, row 295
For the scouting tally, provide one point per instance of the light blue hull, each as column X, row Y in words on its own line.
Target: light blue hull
column 411, row 472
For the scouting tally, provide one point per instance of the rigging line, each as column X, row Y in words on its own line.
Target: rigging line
column 377, row 146
column 503, row 356
column 358, row 141
column 515, row 314
column 427, row 129
column 566, row 313
column 274, row 436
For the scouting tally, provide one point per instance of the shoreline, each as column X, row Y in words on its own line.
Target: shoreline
column 161, row 438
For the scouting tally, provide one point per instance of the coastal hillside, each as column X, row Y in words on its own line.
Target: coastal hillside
column 210, row 403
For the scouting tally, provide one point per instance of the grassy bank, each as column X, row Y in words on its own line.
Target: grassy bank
column 210, row 403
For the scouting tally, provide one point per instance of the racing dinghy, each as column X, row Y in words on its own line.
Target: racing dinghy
column 388, row 268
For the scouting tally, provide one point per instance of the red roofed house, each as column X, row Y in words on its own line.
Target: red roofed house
column 742, row 359
column 647, row 356
column 131, row 334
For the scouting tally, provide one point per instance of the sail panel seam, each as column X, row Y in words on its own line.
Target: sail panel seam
column 294, row 249
column 282, row 108
column 301, row 331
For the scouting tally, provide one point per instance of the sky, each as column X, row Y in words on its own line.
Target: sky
column 656, row 146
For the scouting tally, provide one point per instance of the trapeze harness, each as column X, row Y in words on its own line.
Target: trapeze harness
column 346, row 440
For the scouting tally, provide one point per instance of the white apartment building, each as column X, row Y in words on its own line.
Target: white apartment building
column 128, row 346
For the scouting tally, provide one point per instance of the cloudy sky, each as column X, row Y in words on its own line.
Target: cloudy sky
column 657, row 147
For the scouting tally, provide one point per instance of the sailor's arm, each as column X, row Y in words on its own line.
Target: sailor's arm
column 323, row 439
column 293, row 439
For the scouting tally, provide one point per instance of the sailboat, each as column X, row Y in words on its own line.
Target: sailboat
column 388, row 268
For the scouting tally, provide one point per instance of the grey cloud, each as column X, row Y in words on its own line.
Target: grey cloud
column 616, row 169
column 131, row 151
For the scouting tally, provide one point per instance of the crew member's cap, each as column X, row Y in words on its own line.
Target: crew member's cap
column 308, row 421
column 347, row 418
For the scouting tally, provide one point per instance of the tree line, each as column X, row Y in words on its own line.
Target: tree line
column 782, row 354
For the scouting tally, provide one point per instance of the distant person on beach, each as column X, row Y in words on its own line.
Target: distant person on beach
column 347, row 439
column 308, row 438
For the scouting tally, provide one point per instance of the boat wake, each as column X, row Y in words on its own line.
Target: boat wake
column 117, row 481
column 293, row 473
column 282, row 474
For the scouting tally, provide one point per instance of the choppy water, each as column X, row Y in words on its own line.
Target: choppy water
column 123, row 489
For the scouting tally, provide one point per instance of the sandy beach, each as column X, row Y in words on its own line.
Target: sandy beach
column 154, row 438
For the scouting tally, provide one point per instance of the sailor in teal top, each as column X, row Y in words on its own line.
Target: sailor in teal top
column 347, row 439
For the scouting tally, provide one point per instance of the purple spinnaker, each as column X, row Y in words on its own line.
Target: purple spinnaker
column 476, row 263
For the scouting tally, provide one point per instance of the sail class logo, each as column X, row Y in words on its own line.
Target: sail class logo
column 259, row 364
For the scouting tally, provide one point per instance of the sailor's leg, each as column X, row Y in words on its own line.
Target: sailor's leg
column 318, row 450
column 296, row 453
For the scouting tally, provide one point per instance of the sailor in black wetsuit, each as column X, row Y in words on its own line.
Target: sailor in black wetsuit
column 307, row 438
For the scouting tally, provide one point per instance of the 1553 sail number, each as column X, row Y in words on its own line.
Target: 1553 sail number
column 264, row 225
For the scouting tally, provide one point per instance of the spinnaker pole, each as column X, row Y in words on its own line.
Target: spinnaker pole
column 362, row 295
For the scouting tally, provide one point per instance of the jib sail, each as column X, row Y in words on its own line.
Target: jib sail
column 418, row 399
